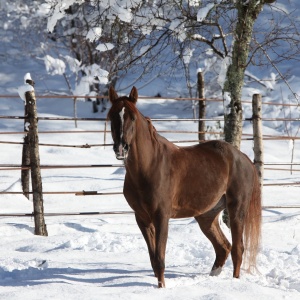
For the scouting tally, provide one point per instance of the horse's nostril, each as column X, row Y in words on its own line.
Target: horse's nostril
column 126, row 147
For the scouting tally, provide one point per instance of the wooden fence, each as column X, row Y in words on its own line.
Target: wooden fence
column 26, row 166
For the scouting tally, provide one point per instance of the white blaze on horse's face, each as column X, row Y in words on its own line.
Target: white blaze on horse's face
column 121, row 113
column 123, row 147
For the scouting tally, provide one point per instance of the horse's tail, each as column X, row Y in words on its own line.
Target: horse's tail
column 252, row 230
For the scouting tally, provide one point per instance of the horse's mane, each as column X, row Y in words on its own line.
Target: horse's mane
column 152, row 129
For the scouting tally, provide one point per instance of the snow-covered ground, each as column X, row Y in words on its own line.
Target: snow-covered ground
column 105, row 256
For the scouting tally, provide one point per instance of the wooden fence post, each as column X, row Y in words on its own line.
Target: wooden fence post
column 36, row 179
column 105, row 129
column 257, row 136
column 75, row 110
column 25, row 174
column 202, row 107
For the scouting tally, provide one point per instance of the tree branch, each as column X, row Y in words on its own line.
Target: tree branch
column 280, row 74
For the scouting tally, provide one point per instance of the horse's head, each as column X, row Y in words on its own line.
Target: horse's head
column 122, row 115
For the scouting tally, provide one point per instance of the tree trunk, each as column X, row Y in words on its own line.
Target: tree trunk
column 247, row 14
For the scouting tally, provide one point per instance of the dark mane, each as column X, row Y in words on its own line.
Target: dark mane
column 152, row 129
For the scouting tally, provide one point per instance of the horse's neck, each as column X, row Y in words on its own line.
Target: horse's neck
column 146, row 147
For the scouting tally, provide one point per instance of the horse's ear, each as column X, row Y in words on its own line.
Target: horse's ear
column 133, row 96
column 113, row 96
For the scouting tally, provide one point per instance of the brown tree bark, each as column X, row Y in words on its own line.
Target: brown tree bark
column 247, row 14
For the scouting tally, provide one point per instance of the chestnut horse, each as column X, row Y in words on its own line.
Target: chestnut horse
column 164, row 181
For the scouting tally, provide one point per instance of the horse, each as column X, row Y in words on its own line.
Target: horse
column 164, row 181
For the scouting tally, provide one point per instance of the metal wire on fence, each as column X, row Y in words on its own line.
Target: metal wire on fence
column 153, row 120
column 146, row 98
column 266, row 207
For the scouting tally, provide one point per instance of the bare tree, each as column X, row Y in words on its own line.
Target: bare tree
column 157, row 34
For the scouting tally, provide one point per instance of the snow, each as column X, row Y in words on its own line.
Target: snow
column 174, row 24
column 124, row 14
column 73, row 63
column 95, row 71
column 58, row 12
column 105, row 47
column 199, row 37
column 222, row 73
column 27, row 76
column 203, row 12
column 25, row 87
column 187, row 55
column 54, row 66
column 105, row 256
column 94, row 34
column 82, row 88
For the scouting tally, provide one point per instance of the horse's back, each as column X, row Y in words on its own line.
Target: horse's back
column 222, row 151
column 218, row 153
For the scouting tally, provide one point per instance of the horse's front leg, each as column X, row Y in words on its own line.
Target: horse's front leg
column 161, row 229
column 148, row 231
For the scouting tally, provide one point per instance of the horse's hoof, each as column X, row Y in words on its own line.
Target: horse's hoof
column 161, row 284
column 215, row 271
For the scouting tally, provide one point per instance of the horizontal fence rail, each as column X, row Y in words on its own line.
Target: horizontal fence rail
column 17, row 166
column 67, row 214
column 31, row 215
column 265, row 137
column 78, row 193
column 154, row 119
column 145, row 98
column 99, row 193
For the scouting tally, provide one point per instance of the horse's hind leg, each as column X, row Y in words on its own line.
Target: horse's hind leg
column 209, row 224
column 237, row 248
column 237, row 216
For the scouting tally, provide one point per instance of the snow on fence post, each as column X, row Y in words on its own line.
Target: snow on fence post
column 202, row 106
column 257, row 136
column 27, row 93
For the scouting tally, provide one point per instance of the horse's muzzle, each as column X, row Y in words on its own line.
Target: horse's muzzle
column 121, row 151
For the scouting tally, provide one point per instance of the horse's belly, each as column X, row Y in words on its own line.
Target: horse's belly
column 190, row 207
